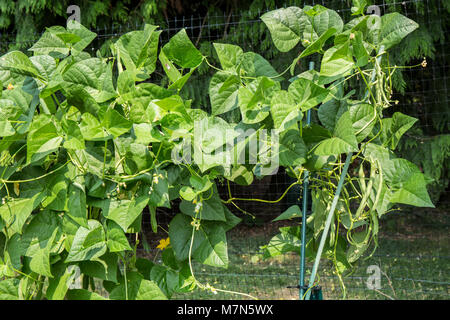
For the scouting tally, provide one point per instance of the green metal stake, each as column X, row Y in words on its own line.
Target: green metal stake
column 304, row 208
column 334, row 203
column 327, row 224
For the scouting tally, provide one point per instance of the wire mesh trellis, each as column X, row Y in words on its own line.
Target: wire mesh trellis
column 414, row 248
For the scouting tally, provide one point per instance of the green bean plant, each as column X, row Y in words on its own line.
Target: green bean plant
column 89, row 143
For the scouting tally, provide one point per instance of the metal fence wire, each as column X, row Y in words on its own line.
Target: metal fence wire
column 414, row 249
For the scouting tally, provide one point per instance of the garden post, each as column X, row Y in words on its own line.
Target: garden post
column 304, row 211
column 335, row 200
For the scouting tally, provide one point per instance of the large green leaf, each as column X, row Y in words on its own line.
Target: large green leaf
column 85, row 35
column 40, row 262
column 223, row 92
column 169, row 68
column 405, row 181
column 137, row 156
column 170, row 280
column 337, row 61
column 288, row 240
column 6, row 129
column 74, row 138
column 179, row 83
column 286, row 26
column 343, row 140
column 292, row 149
column 317, row 45
column 117, row 240
column 145, row 133
column 122, row 212
column 88, row 243
column 39, row 239
column 200, row 184
column 92, row 129
column 126, row 85
column 16, row 211
column 330, row 111
column 59, row 284
column 115, row 123
column 254, row 65
column 363, row 117
column 81, row 99
column 19, row 63
column 229, row 55
column 240, row 175
column 395, row 127
column 211, row 136
column 285, row 112
column 212, row 250
column 380, row 153
column 212, row 209
column 12, row 253
column 9, row 289
column 76, row 201
column 159, row 194
column 359, row 50
column 231, row 220
column 51, row 44
column 104, row 267
column 324, row 19
column 254, row 100
column 91, row 158
column 138, row 51
column 16, row 102
column 174, row 104
column 9, row 110
column 312, row 26
column 209, row 245
column 39, row 232
column 413, row 191
column 182, row 51
column 43, row 138
column 92, row 75
column 58, row 41
column 306, row 93
column 394, row 27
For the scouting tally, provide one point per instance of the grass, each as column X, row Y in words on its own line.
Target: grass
column 413, row 257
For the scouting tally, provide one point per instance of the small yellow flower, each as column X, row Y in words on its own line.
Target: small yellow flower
column 10, row 86
column 424, row 63
column 352, row 36
column 163, row 244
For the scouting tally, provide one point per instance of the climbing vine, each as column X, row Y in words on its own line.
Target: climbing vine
column 88, row 142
